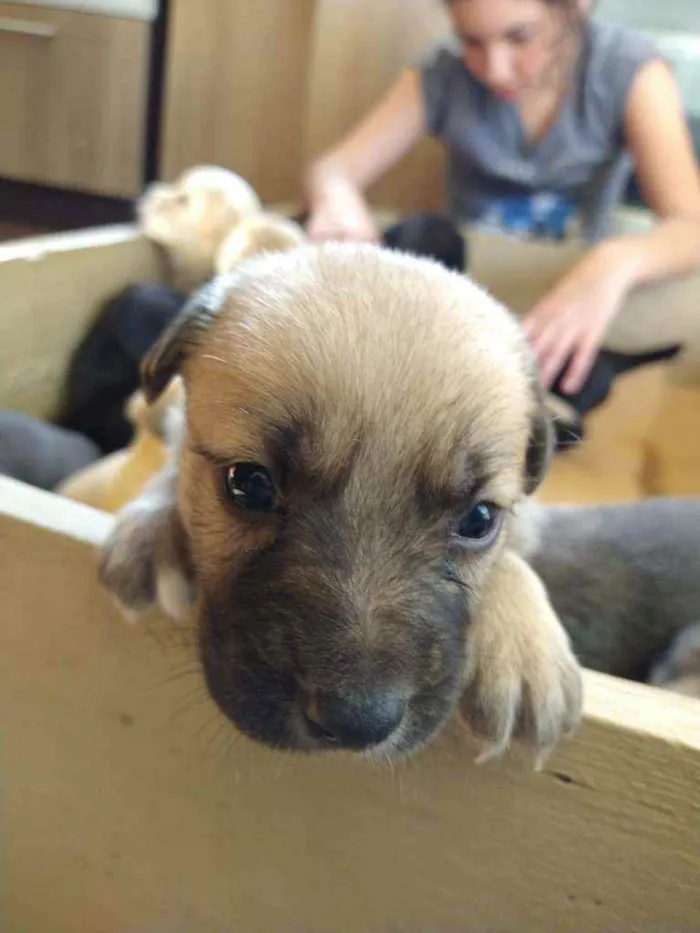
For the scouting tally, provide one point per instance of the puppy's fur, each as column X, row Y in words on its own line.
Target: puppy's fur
column 103, row 372
column 261, row 233
column 679, row 668
column 207, row 221
column 191, row 217
column 119, row 477
column 41, row 454
column 387, row 398
column 623, row 579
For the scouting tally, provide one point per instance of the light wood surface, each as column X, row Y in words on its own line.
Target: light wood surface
column 263, row 87
column 359, row 48
column 73, row 99
column 235, row 90
column 52, row 287
column 129, row 804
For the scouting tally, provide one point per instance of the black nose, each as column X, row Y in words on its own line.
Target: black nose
column 356, row 721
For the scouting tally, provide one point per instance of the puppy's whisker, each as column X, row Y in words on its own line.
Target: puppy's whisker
column 215, row 721
column 234, row 738
column 218, row 739
column 194, row 703
column 192, row 669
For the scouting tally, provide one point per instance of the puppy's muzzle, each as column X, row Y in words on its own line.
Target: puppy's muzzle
column 356, row 721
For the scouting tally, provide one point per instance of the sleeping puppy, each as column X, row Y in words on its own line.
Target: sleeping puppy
column 361, row 426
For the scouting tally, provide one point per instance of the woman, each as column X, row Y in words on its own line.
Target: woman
column 542, row 112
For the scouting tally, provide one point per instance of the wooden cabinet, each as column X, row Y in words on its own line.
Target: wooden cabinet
column 235, row 90
column 358, row 49
column 262, row 86
column 73, row 90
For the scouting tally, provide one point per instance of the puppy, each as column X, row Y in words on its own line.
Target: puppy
column 679, row 668
column 103, row 372
column 432, row 235
column 260, row 233
column 624, row 579
column 41, row 454
column 118, row 478
column 191, row 217
column 360, row 427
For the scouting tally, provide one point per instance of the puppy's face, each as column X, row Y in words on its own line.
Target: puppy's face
column 359, row 426
column 191, row 216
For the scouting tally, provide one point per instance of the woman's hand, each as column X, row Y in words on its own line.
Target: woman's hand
column 568, row 325
column 340, row 213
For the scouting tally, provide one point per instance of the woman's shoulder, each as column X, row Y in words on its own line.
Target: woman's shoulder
column 613, row 56
column 447, row 84
column 615, row 51
column 444, row 56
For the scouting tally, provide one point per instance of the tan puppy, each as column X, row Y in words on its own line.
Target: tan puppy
column 260, row 233
column 361, row 426
column 119, row 477
column 115, row 480
column 207, row 221
column 191, row 218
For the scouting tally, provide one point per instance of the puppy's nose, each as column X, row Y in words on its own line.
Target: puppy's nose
column 357, row 720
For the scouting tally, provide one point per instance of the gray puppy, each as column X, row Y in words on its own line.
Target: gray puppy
column 41, row 454
column 625, row 582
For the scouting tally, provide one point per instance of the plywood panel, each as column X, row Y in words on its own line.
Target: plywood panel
column 130, row 805
column 235, row 90
column 52, row 286
column 73, row 99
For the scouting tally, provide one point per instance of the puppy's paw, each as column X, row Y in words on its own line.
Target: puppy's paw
column 678, row 670
column 522, row 679
column 144, row 561
column 126, row 566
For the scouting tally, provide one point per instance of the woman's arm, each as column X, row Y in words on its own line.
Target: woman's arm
column 571, row 321
column 335, row 181
column 657, row 135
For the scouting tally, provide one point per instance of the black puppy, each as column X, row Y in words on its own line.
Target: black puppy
column 431, row 235
column 568, row 421
column 104, row 368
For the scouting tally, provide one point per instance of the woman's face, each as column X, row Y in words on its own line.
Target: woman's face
column 510, row 46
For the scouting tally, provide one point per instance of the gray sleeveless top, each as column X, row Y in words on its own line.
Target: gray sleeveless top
column 578, row 171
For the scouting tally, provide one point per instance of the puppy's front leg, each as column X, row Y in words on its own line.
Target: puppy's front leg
column 145, row 559
column 522, row 678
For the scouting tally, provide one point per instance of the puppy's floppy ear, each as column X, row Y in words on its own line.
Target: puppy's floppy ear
column 540, row 444
column 165, row 358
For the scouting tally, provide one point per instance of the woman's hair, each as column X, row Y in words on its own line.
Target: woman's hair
column 568, row 6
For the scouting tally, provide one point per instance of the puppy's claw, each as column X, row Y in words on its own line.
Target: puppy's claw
column 542, row 757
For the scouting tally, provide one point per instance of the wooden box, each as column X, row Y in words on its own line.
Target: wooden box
column 130, row 806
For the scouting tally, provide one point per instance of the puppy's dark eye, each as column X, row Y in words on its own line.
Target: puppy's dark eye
column 480, row 526
column 250, row 486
